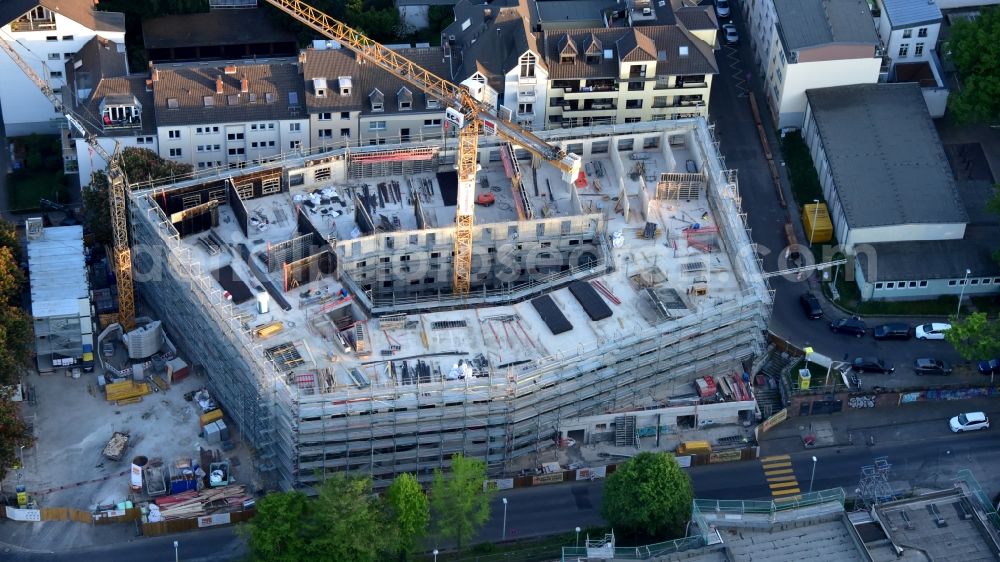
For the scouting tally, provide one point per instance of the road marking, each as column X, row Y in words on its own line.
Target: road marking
column 777, row 485
column 787, row 492
column 781, row 471
column 773, row 458
column 773, row 465
column 780, row 476
column 789, row 478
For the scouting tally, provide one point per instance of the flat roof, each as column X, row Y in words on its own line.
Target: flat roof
column 888, row 164
column 217, row 27
column 814, row 23
column 943, row 526
column 58, row 272
column 911, row 13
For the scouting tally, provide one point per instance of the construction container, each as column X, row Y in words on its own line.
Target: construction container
column 694, row 448
column 211, row 432
column 177, row 370
column 210, row 417
column 816, row 220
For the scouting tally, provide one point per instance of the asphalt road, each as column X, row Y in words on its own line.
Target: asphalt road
column 741, row 148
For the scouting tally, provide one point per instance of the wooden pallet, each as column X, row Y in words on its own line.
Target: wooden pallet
column 133, row 400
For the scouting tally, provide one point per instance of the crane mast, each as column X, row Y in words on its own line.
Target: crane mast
column 116, row 179
column 472, row 115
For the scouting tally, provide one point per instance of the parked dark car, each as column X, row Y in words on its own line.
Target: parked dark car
column 872, row 365
column 810, row 305
column 892, row 332
column 989, row 366
column 928, row 366
column 852, row 326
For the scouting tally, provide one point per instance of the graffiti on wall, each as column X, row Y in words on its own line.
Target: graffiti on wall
column 861, row 401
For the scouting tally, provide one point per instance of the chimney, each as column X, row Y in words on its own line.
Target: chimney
column 156, row 75
column 229, row 69
column 244, row 85
column 218, row 85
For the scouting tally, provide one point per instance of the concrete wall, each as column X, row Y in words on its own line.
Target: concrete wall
column 800, row 77
column 25, row 109
column 720, row 413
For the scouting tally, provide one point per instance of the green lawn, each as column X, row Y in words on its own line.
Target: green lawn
column 801, row 172
column 26, row 188
column 850, row 298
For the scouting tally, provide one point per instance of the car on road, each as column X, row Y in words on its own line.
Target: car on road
column 810, row 305
column 929, row 366
column 872, row 365
column 895, row 331
column 969, row 421
column 729, row 32
column 852, row 326
column 722, row 8
column 932, row 331
column 989, row 366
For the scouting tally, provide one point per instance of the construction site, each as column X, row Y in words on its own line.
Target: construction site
column 318, row 294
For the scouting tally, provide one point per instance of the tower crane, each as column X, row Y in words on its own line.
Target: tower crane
column 116, row 180
column 470, row 114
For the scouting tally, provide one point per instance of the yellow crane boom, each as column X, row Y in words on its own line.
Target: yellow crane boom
column 471, row 115
column 116, row 179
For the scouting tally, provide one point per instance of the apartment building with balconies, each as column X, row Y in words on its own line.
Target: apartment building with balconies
column 804, row 44
column 46, row 34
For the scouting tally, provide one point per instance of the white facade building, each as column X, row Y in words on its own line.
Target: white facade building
column 46, row 39
column 804, row 44
column 909, row 29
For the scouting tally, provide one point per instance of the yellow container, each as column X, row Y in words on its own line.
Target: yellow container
column 804, row 377
column 694, row 448
column 816, row 220
column 210, row 417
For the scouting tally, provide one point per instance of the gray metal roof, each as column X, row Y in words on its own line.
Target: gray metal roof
column 813, row 23
column 928, row 260
column 911, row 13
column 885, row 156
column 58, row 272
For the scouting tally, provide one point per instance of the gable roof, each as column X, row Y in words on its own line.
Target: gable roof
column 669, row 39
column 634, row 46
column 493, row 39
column 80, row 11
column 696, row 17
column 275, row 92
column 365, row 78
column 813, row 23
column 567, row 46
column 879, row 180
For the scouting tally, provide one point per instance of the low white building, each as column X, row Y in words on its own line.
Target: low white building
column 225, row 114
column 46, row 34
column 803, row 44
column 908, row 31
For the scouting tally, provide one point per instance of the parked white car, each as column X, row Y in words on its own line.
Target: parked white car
column 932, row 331
column 969, row 421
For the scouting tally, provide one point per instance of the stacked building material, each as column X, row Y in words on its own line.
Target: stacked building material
column 126, row 390
column 197, row 504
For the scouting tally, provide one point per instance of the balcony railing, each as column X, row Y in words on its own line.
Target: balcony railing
column 123, row 123
column 526, row 96
column 33, row 25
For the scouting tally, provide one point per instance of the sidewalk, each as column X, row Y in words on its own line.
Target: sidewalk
column 907, row 422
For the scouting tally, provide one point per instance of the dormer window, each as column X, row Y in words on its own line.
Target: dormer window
column 567, row 50
column 120, row 111
column 592, row 49
column 377, row 100
column 433, row 103
column 405, row 98
column 319, row 86
column 344, row 85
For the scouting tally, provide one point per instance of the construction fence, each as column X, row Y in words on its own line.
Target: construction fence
column 125, row 516
column 806, row 404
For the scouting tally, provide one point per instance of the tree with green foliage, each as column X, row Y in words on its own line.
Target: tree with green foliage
column 649, row 494
column 348, row 522
column 142, row 164
column 277, row 533
column 408, row 509
column 14, row 432
column 975, row 337
column 97, row 208
column 16, row 345
column 974, row 47
column 460, row 503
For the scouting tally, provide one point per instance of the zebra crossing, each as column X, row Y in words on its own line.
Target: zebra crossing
column 780, row 475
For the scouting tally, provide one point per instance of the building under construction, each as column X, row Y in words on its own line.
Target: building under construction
column 315, row 291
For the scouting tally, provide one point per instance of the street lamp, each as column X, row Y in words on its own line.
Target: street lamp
column 176, row 557
column 578, row 537
column 961, row 295
column 435, row 555
column 504, row 518
column 812, row 231
column 813, row 476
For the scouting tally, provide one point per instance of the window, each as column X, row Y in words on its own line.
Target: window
column 907, row 33
column 878, row 285
column 68, row 56
column 432, row 122
column 236, row 151
column 67, row 37
column 923, row 283
column 201, row 147
column 326, row 116
column 376, row 125
column 632, row 119
column 201, row 165
column 294, row 144
column 633, row 104
column 253, row 127
column 781, row 55
column 216, row 147
column 918, row 50
column 174, row 133
column 345, row 114
column 234, row 136
column 199, row 131
column 53, row 56
column 325, row 133
column 269, row 143
column 55, row 74
column 922, row 32
column 635, row 86
column 890, row 285
column 270, row 126
column 52, row 38
column 904, row 49
column 528, row 65
column 294, row 127
column 175, row 152
column 523, row 108
column 973, row 281
column 214, row 129
column 637, row 71
column 345, row 133
column 913, row 284
column 952, row 283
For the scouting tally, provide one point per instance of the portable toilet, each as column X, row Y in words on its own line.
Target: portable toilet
column 804, row 377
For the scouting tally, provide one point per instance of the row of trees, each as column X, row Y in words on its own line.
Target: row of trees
column 16, row 343
column 346, row 521
column 647, row 498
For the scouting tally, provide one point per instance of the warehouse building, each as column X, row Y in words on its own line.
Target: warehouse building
column 316, row 292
